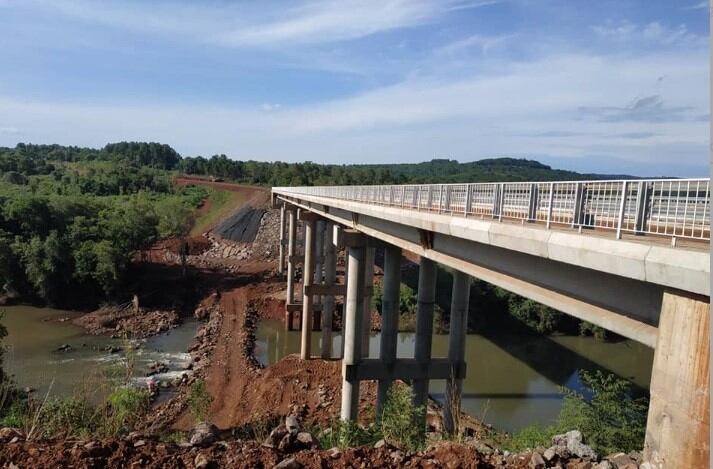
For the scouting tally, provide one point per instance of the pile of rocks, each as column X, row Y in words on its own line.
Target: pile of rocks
column 122, row 321
column 289, row 437
column 568, row 451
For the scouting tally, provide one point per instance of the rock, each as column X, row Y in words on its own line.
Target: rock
column 203, row 434
column 289, row 463
column 64, row 348
column 307, row 440
column 536, row 461
column 275, row 436
column 380, row 444
column 335, row 453
column 572, row 440
column 28, row 390
column 8, row 434
column 139, row 443
column 585, row 465
column 201, row 461
column 550, row 453
column 292, row 424
column 604, row 465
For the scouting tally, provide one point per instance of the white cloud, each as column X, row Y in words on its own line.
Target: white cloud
column 270, row 106
column 244, row 25
column 521, row 111
column 476, row 41
column 653, row 32
column 698, row 6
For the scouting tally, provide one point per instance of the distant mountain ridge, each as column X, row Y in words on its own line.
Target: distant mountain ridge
column 24, row 157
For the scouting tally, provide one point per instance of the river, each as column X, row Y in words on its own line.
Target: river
column 31, row 356
column 512, row 381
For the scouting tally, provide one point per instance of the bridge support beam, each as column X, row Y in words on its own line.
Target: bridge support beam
column 678, row 425
column 291, row 245
column 354, row 312
column 308, row 220
column 281, row 250
column 368, row 288
column 424, row 326
column 389, row 320
column 460, row 299
column 330, row 275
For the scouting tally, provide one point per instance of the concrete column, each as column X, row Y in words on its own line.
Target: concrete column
column 281, row 255
column 460, row 298
column 291, row 245
column 678, row 425
column 354, row 309
column 389, row 320
column 346, row 286
column 368, row 286
column 319, row 254
column 330, row 275
column 308, row 272
column 424, row 325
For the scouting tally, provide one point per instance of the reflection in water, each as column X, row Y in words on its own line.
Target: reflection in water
column 512, row 381
column 32, row 360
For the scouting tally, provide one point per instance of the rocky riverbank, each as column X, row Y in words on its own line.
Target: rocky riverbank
column 128, row 321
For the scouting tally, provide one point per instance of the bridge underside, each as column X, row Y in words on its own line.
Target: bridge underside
column 625, row 306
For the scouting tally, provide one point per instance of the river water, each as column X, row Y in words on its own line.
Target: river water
column 32, row 359
column 512, row 381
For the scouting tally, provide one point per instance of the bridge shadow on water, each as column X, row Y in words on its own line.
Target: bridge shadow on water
column 544, row 354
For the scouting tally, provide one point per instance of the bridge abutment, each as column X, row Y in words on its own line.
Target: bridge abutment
column 678, row 425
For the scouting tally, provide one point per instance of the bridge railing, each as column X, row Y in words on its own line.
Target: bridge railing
column 666, row 207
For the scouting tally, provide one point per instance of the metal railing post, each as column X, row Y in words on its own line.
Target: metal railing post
column 578, row 204
column 501, row 202
column 549, row 205
column 622, row 208
column 532, row 205
column 641, row 204
column 468, row 199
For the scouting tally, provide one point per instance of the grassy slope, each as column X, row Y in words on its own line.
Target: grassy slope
column 216, row 207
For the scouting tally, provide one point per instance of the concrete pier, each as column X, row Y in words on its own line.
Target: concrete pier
column 308, row 220
column 389, row 320
column 291, row 245
column 354, row 309
column 460, row 299
column 424, row 326
column 281, row 250
column 368, row 288
column 678, row 425
column 330, row 275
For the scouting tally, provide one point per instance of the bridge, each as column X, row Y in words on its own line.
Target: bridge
column 631, row 256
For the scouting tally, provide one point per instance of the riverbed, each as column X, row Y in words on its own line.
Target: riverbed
column 512, row 380
column 35, row 334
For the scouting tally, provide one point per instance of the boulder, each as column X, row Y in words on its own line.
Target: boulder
column 536, row 461
column 572, row 440
column 203, row 434
column 275, row 436
column 307, row 441
column 622, row 461
column 292, row 424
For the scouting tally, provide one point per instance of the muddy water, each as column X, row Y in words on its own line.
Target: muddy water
column 32, row 358
column 512, row 381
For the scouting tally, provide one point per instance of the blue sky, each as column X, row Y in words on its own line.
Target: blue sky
column 606, row 86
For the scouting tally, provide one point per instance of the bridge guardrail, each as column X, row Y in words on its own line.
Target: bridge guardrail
column 666, row 207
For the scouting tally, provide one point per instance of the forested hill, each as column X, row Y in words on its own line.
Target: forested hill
column 44, row 159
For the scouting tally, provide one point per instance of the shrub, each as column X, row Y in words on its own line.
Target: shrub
column 611, row 421
column 587, row 328
column 347, row 434
column 199, row 400
column 403, row 424
column 125, row 406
